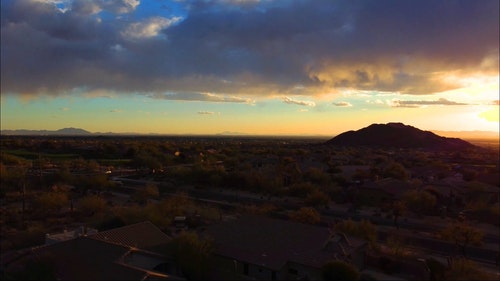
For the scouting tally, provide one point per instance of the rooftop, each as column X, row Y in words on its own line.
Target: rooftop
column 272, row 243
column 143, row 235
column 125, row 253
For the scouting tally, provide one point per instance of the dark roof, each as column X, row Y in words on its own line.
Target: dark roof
column 390, row 186
column 272, row 243
column 89, row 259
column 102, row 256
column 143, row 235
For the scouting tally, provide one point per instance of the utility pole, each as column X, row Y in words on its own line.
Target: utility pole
column 40, row 168
column 24, row 198
column 23, row 211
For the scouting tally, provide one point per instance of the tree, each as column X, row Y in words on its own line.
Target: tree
column 92, row 204
column 176, row 205
column 97, row 182
column 145, row 159
column 339, row 271
column 301, row 189
column 363, row 229
column 150, row 191
column 462, row 235
column 12, row 178
column 317, row 176
column 464, row 269
column 192, row 254
column 64, row 174
column 476, row 192
column 396, row 170
column 306, row 215
column 396, row 243
column 51, row 202
column 317, row 198
column 398, row 209
column 469, row 174
column 419, row 201
column 93, row 166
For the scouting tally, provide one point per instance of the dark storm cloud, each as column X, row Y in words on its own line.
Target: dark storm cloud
column 267, row 47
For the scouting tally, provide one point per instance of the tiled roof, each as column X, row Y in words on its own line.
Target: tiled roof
column 102, row 256
column 391, row 186
column 143, row 235
column 89, row 259
column 271, row 243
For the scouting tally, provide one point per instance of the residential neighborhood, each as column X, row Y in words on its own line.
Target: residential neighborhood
column 250, row 140
column 245, row 209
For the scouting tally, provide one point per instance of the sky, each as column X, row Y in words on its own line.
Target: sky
column 263, row 67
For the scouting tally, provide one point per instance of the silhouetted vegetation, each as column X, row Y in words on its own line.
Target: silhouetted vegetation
column 50, row 183
column 338, row 270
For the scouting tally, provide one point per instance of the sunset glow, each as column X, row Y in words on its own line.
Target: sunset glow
column 252, row 67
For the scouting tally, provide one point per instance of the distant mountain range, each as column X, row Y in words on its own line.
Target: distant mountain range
column 60, row 132
column 398, row 135
column 81, row 132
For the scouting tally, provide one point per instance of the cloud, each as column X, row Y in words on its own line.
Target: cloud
column 376, row 102
column 297, row 102
column 240, row 48
column 97, row 93
column 115, row 6
column 91, row 7
column 206, row 112
column 420, row 103
column 148, row 28
column 342, row 103
column 240, row 2
column 206, row 97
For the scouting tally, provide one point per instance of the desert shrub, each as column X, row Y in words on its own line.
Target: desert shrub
column 306, row 215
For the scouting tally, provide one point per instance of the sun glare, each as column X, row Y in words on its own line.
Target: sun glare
column 475, row 87
column 491, row 115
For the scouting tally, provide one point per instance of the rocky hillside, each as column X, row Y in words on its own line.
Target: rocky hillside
column 398, row 135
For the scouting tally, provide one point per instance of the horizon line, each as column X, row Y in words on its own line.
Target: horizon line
column 45, row 132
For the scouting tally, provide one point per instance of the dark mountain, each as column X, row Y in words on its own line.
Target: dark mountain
column 72, row 131
column 398, row 135
column 60, row 132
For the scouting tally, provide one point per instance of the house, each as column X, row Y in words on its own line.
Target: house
column 133, row 252
column 68, row 235
column 382, row 192
column 142, row 235
column 313, row 161
column 396, row 268
column 350, row 172
column 262, row 248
